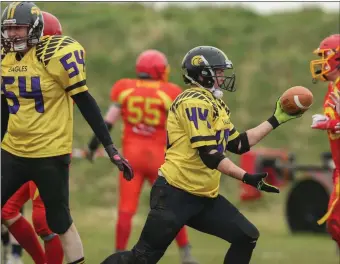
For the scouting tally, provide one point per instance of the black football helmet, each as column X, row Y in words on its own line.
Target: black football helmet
column 199, row 66
column 21, row 14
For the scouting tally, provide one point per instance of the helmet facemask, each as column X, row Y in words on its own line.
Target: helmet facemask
column 21, row 44
column 329, row 61
column 205, row 76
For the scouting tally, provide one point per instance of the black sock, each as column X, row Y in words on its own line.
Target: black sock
column 16, row 250
column 5, row 238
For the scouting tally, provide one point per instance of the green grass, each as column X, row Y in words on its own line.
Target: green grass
column 271, row 53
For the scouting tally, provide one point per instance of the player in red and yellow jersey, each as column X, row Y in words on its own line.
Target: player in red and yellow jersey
column 327, row 68
column 11, row 211
column 143, row 104
column 41, row 77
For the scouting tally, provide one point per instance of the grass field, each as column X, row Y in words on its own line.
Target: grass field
column 271, row 53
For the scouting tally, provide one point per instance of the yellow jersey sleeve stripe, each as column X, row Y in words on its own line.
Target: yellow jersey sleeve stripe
column 233, row 135
column 75, row 86
column 165, row 98
column 78, row 90
column 124, row 94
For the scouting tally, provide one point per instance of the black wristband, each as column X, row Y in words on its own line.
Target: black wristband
column 273, row 121
column 245, row 178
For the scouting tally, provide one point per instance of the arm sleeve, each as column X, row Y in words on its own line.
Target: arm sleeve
column 67, row 66
column 91, row 112
column 4, row 116
column 196, row 119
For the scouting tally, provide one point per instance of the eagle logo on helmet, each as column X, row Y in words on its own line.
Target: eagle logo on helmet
column 35, row 10
column 197, row 60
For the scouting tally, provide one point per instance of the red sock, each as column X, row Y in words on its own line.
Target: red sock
column 23, row 232
column 54, row 251
column 182, row 237
column 123, row 230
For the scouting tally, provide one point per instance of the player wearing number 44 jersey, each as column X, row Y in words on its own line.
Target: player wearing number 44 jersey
column 187, row 189
column 40, row 77
column 143, row 104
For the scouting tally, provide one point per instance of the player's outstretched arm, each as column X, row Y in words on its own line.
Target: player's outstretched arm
column 256, row 134
column 111, row 118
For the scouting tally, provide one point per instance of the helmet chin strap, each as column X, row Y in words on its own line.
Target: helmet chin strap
column 20, row 47
column 217, row 92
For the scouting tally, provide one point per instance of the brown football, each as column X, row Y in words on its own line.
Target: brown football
column 296, row 100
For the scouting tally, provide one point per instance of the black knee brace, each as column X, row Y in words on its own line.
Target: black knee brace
column 250, row 232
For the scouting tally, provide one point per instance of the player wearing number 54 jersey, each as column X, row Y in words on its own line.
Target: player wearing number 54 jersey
column 143, row 104
column 40, row 77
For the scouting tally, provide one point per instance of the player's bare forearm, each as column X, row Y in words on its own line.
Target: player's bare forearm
column 226, row 166
column 256, row 134
column 112, row 114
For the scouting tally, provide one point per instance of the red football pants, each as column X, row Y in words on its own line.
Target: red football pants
column 12, row 208
column 333, row 221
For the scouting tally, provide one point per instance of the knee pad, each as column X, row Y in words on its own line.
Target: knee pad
column 250, row 232
column 58, row 218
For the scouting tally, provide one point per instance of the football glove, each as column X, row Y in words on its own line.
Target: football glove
column 257, row 180
column 122, row 164
column 279, row 116
column 323, row 122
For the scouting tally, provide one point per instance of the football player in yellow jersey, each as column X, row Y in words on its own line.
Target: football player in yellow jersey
column 40, row 79
column 187, row 189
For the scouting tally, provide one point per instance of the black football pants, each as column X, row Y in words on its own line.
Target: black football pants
column 172, row 208
column 51, row 175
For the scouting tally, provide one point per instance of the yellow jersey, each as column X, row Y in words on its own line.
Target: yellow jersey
column 38, row 89
column 195, row 119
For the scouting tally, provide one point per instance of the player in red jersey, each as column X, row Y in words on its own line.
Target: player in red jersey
column 143, row 104
column 11, row 215
column 327, row 68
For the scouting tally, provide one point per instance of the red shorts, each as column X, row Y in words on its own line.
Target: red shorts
column 145, row 160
